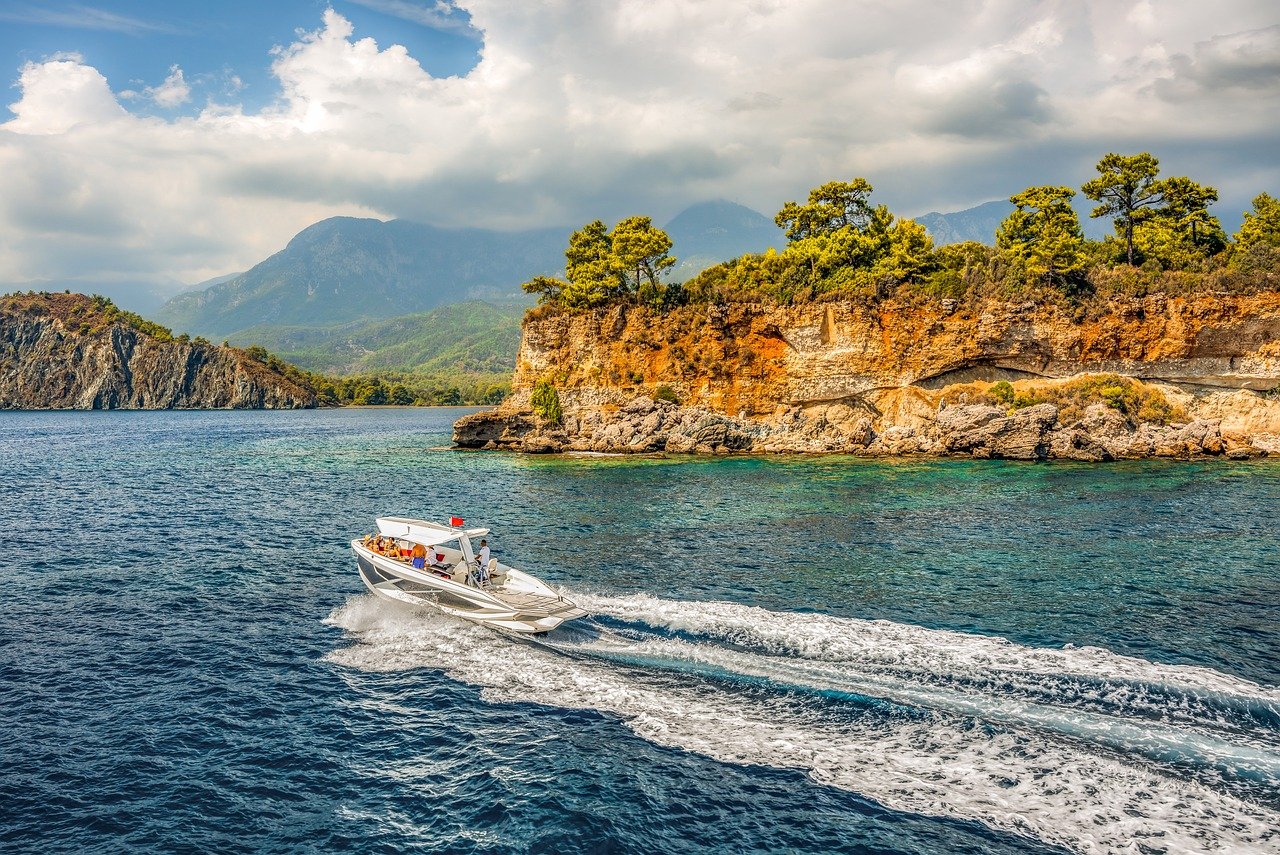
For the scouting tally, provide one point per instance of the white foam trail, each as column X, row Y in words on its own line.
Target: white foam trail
column 1154, row 740
column 1088, row 678
column 880, row 642
column 1016, row 779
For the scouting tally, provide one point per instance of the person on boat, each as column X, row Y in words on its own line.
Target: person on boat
column 419, row 556
column 483, row 560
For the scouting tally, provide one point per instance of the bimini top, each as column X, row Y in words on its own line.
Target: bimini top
column 421, row 531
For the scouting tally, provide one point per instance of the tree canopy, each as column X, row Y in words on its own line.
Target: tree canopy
column 1127, row 187
column 601, row 265
column 1043, row 233
column 1261, row 226
column 841, row 244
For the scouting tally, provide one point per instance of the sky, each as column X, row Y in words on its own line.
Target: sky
column 148, row 146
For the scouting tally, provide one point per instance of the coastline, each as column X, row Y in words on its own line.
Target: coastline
column 644, row 426
column 1132, row 378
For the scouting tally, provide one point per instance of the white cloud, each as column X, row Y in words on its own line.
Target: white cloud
column 584, row 110
column 60, row 94
column 173, row 92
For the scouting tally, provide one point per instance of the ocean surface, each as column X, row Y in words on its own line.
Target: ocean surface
column 805, row 655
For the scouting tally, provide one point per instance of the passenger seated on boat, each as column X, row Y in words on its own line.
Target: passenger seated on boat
column 419, row 556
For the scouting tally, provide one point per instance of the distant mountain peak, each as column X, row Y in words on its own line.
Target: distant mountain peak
column 978, row 223
column 718, row 230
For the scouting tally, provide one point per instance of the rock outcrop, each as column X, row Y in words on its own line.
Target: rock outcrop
column 68, row 351
column 645, row 426
column 904, row 378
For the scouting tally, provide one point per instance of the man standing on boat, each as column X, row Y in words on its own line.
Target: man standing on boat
column 483, row 560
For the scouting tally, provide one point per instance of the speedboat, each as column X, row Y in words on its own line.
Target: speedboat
column 452, row 581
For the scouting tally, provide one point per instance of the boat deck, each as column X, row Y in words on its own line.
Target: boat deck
column 538, row 604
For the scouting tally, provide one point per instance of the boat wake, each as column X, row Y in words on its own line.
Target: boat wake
column 1077, row 747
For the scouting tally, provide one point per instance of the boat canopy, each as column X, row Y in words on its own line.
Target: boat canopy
column 426, row 533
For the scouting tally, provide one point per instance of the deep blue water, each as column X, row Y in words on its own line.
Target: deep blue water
column 819, row 655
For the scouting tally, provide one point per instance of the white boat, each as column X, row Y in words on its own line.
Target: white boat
column 451, row 580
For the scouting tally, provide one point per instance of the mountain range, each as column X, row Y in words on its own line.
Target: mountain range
column 980, row 222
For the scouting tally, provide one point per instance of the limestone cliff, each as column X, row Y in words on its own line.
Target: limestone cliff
column 68, row 351
column 877, row 379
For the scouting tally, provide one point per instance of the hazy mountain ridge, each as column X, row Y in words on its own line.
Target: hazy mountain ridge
column 980, row 222
column 459, row 339
column 344, row 269
column 712, row 232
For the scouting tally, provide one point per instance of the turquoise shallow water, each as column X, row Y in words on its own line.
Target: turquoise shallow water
column 817, row 654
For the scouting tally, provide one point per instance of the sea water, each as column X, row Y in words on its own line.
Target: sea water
column 787, row 654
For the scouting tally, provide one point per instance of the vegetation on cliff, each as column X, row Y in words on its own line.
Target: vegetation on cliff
column 842, row 246
column 602, row 266
column 1138, row 402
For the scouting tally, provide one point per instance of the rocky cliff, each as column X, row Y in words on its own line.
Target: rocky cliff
column 1131, row 377
column 68, row 351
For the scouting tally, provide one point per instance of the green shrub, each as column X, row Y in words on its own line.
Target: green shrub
column 1029, row 398
column 666, row 393
column 546, row 402
column 1002, row 391
column 1132, row 399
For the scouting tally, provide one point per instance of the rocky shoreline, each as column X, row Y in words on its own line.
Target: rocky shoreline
column 645, row 426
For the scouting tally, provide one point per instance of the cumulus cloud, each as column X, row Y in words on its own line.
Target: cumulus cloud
column 605, row 109
column 173, row 92
column 61, row 93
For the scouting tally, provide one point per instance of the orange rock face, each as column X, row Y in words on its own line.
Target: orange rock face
column 747, row 358
column 1157, row 376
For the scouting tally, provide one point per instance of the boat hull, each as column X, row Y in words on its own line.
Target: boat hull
column 512, row 612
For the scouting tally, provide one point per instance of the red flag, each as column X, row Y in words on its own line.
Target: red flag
column 456, row 522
